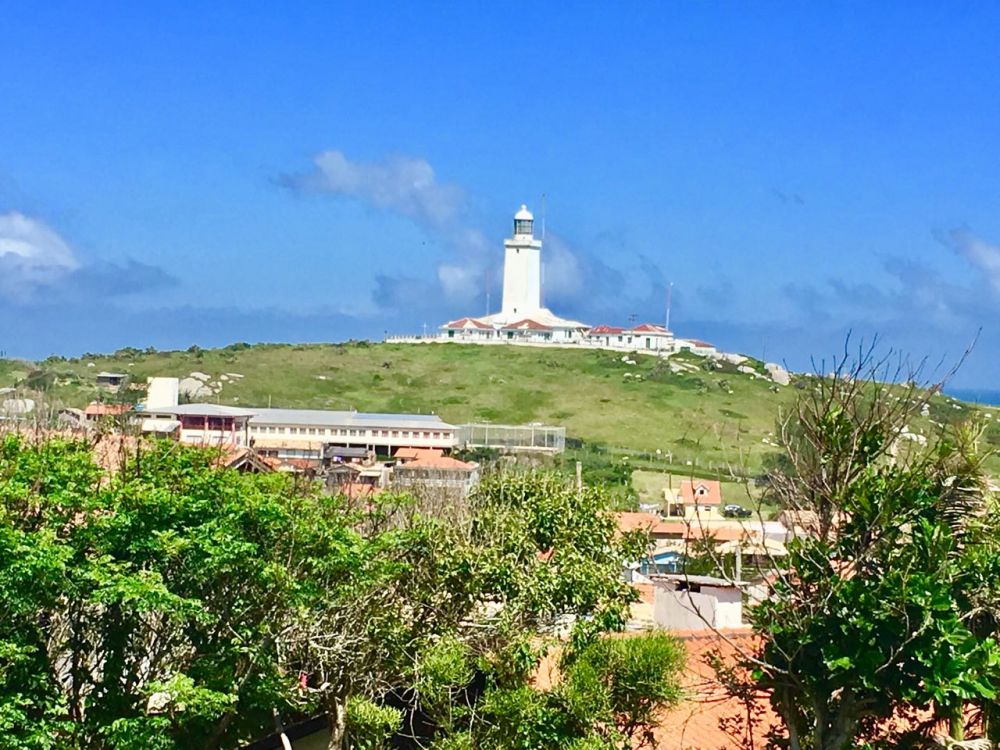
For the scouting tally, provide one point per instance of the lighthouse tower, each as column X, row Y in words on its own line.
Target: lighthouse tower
column 522, row 270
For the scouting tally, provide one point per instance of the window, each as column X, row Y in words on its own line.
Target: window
column 395, row 433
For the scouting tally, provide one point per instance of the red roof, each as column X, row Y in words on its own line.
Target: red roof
column 659, row 528
column 95, row 409
column 437, row 462
column 603, row 330
column 699, row 342
column 528, row 325
column 651, row 328
column 701, row 492
column 637, row 521
column 411, row 453
column 709, row 718
column 467, row 323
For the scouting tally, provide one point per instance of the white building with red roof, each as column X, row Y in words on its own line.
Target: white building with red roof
column 523, row 319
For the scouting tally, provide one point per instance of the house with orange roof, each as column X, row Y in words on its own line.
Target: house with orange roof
column 698, row 496
column 430, row 470
column 96, row 411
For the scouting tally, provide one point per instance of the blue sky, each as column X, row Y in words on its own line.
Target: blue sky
column 174, row 174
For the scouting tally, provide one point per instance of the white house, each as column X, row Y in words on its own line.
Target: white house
column 647, row 337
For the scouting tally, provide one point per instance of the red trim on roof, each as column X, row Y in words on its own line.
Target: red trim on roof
column 467, row 323
column 604, row 330
column 527, row 325
column 701, row 492
column 650, row 328
column 96, row 409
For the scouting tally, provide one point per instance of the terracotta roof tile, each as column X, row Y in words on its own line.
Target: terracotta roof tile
column 650, row 328
column 527, row 325
column 710, row 719
column 701, row 492
column 468, row 323
column 604, row 330
column 96, row 409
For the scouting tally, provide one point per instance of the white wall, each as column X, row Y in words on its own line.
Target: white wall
column 681, row 610
column 522, row 278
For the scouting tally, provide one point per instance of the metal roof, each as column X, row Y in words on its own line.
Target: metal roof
column 323, row 418
column 721, row 583
column 309, row 417
column 201, row 410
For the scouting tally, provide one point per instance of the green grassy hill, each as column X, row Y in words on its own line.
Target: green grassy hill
column 687, row 408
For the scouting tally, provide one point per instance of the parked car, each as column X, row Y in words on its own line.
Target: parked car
column 735, row 511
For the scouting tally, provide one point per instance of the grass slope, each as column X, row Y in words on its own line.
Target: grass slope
column 710, row 414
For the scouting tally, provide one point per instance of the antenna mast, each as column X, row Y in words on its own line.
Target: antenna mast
column 541, row 280
column 670, row 289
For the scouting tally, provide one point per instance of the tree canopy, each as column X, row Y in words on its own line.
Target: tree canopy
column 177, row 604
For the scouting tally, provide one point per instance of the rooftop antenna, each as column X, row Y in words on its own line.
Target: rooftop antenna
column 488, row 290
column 670, row 289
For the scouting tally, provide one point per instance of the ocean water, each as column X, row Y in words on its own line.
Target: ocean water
column 975, row 395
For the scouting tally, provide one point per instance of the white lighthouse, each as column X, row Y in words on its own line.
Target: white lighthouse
column 522, row 270
column 521, row 319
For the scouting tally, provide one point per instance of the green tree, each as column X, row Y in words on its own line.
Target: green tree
column 176, row 604
column 875, row 614
column 435, row 600
column 142, row 609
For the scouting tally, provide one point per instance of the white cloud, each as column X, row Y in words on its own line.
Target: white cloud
column 408, row 186
column 982, row 255
column 564, row 275
column 31, row 254
column 459, row 283
column 403, row 184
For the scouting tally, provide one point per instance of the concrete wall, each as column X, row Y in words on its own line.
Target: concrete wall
column 679, row 610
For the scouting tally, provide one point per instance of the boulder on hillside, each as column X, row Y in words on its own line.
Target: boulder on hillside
column 778, row 373
column 193, row 388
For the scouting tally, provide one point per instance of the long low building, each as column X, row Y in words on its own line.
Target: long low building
column 299, row 433
column 285, row 430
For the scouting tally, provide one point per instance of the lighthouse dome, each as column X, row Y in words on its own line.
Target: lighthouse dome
column 523, row 222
